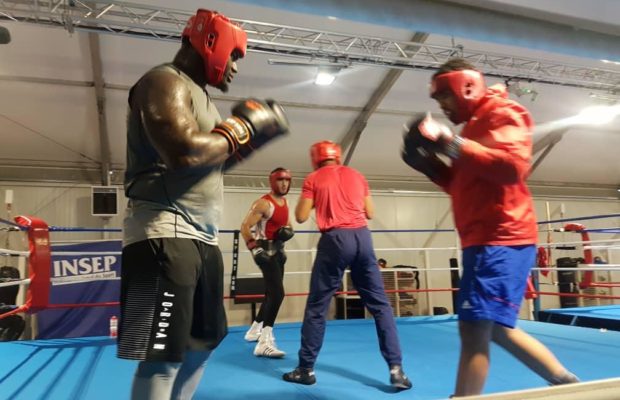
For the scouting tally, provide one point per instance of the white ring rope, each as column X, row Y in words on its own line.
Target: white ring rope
column 6, row 252
column 376, row 249
column 613, row 247
column 580, row 242
column 313, row 250
column 582, row 267
column 68, row 242
column 20, row 282
column 588, row 267
column 417, row 248
column 86, row 253
column 597, row 267
column 593, row 267
column 81, row 279
column 556, row 244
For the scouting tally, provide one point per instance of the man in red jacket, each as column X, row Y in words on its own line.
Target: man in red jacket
column 493, row 213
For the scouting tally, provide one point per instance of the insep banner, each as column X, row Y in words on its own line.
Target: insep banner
column 75, row 279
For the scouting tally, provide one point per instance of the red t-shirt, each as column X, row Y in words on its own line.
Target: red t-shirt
column 339, row 194
column 491, row 202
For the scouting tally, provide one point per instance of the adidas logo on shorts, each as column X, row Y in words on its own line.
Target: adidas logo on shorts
column 465, row 305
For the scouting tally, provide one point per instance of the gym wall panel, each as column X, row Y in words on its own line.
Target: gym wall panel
column 69, row 206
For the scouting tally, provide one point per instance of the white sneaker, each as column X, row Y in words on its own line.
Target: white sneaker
column 266, row 346
column 254, row 332
column 268, row 350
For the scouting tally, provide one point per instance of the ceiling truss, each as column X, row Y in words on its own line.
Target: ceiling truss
column 158, row 23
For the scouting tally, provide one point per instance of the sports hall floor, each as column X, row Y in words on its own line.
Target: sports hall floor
column 349, row 367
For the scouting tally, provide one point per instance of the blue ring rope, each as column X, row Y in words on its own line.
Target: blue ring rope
column 602, row 230
column 13, row 224
column 580, row 219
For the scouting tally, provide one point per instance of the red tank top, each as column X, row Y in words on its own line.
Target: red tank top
column 277, row 218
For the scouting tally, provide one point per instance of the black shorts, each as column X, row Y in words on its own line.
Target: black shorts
column 171, row 299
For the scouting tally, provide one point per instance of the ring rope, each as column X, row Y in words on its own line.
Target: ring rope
column 602, row 247
column 586, row 267
column 6, row 252
column 82, row 229
column 584, row 242
column 15, row 226
column 79, row 229
column 87, row 253
column 20, row 282
column 30, row 225
column 600, row 216
column 64, row 281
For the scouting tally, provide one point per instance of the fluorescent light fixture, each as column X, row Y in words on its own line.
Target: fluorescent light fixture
column 324, row 79
column 598, row 115
column 326, row 76
column 611, row 62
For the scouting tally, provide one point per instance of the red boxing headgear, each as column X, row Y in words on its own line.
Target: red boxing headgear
column 279, row 174
column 215, row 38
column 468, row 88
column 325, row 150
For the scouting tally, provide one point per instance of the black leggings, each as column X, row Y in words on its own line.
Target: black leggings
column 273, row 273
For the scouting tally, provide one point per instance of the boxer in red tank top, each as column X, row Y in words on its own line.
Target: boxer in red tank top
column 265, row 229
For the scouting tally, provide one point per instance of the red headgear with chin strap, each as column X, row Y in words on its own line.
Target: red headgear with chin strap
column 215, row 38
column 275, row 176
column 468, row 88
column 325, row 150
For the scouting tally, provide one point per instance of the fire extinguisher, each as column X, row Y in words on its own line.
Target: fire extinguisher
column 113, row 326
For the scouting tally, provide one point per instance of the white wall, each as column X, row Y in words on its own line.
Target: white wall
column 69, row 206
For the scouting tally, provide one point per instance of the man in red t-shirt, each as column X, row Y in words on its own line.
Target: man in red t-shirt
column 493, row 213
column 342, row 203
column 265, row 229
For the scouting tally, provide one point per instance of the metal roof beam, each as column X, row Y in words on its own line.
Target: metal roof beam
column 145, row 21
column 100, row 98
column 500, row 23
column 351, row 138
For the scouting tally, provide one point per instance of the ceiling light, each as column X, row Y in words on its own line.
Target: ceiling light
column 598, row 115
column 326, row 76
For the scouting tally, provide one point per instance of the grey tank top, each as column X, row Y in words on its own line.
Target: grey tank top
column 171, row 204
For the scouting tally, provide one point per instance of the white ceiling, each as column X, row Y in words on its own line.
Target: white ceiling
column 55, row 125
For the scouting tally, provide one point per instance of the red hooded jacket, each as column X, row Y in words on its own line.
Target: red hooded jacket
column 491, row 202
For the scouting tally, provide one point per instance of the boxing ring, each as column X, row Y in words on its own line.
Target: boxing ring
column 350, row 365
column 599, row 317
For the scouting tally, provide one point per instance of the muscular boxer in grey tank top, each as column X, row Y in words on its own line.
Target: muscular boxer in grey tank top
column 165, row 203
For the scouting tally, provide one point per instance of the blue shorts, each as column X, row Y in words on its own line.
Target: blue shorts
column 493, row 282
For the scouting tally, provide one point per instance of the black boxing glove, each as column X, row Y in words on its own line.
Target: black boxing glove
column 258, row 253
column 435, row 137
column 284, row 233
column 421, row 160
column 253, row 121
column 280, row 127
